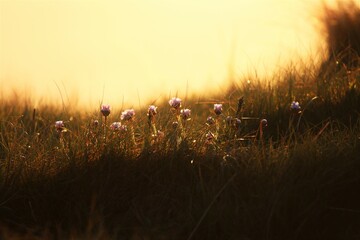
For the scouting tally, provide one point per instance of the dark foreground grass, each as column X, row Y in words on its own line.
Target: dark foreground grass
column 303, row 190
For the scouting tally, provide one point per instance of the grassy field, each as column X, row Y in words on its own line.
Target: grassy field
column 258, row 166
column 161, row 176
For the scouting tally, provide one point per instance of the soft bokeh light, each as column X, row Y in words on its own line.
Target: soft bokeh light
column 138, row 51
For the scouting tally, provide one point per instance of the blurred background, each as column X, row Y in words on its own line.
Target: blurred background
column 136, row 52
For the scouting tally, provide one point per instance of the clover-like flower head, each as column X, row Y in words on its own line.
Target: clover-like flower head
column 175, row 102
column 127, row 114
column 218, row 108
column 209, row 136
column 175, row 125
column 59, row 125
column 236, row 123
column 295, row 107
column 210, row 120
column 105, row 110
column 115, row 126
column 264, row 122
column 95, row 123
column 185, row 114
column 152, row 110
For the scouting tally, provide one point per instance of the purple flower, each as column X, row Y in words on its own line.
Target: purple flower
column 152, row 110
column 264, row 122
column 185, row 114
column 105, row 110
column 115, row 126
column 237, row 123
column 59, row 125
column 175, row 102
column 127, row 114
column 217, row 108
column 175, row 125
column 295, row 107
column 210, row 121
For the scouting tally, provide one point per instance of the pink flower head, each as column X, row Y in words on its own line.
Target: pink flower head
column 210, row 121
column 185, row 114
column 217, row 108
column 237, row 123
column 59, row 125
column 295, row 107
column 175, row 102
column 175, row 125
column 105, row 110
column 96, row 123
column 115, row 126
column 127, row 114
column 152, row 110
column 264, row 122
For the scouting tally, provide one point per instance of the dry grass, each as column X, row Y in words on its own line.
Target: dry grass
column 300, row 180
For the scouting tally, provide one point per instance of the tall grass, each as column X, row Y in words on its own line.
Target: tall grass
column 295, row 183
column 166, row 177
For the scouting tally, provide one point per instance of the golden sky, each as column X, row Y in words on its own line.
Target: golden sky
column 131, row 49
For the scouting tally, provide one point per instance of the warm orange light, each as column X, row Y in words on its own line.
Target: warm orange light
column 146, row 48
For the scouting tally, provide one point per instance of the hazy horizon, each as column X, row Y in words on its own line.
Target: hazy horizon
column 118, row 51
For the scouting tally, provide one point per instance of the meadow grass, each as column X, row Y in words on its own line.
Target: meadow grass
column 298, row 180
column 159, row 175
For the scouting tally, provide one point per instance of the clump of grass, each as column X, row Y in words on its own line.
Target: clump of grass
column 339, row 71
column 341, row 26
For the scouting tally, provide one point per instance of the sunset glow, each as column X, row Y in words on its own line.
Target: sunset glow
column 131, row 51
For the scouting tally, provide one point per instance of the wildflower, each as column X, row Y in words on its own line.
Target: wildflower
column 263, row 123
column 295, row 107
column 218, row 109
column 96, row 123
column 236, row 123
column 175, row 102
column 210, row 121
column 115, row 126
column 123, row 128
column 59, row 125
column 127, row 114
column 105, row 110
column 185, row 114
column 175, row 125
column 152, row 110
column 209, row 137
